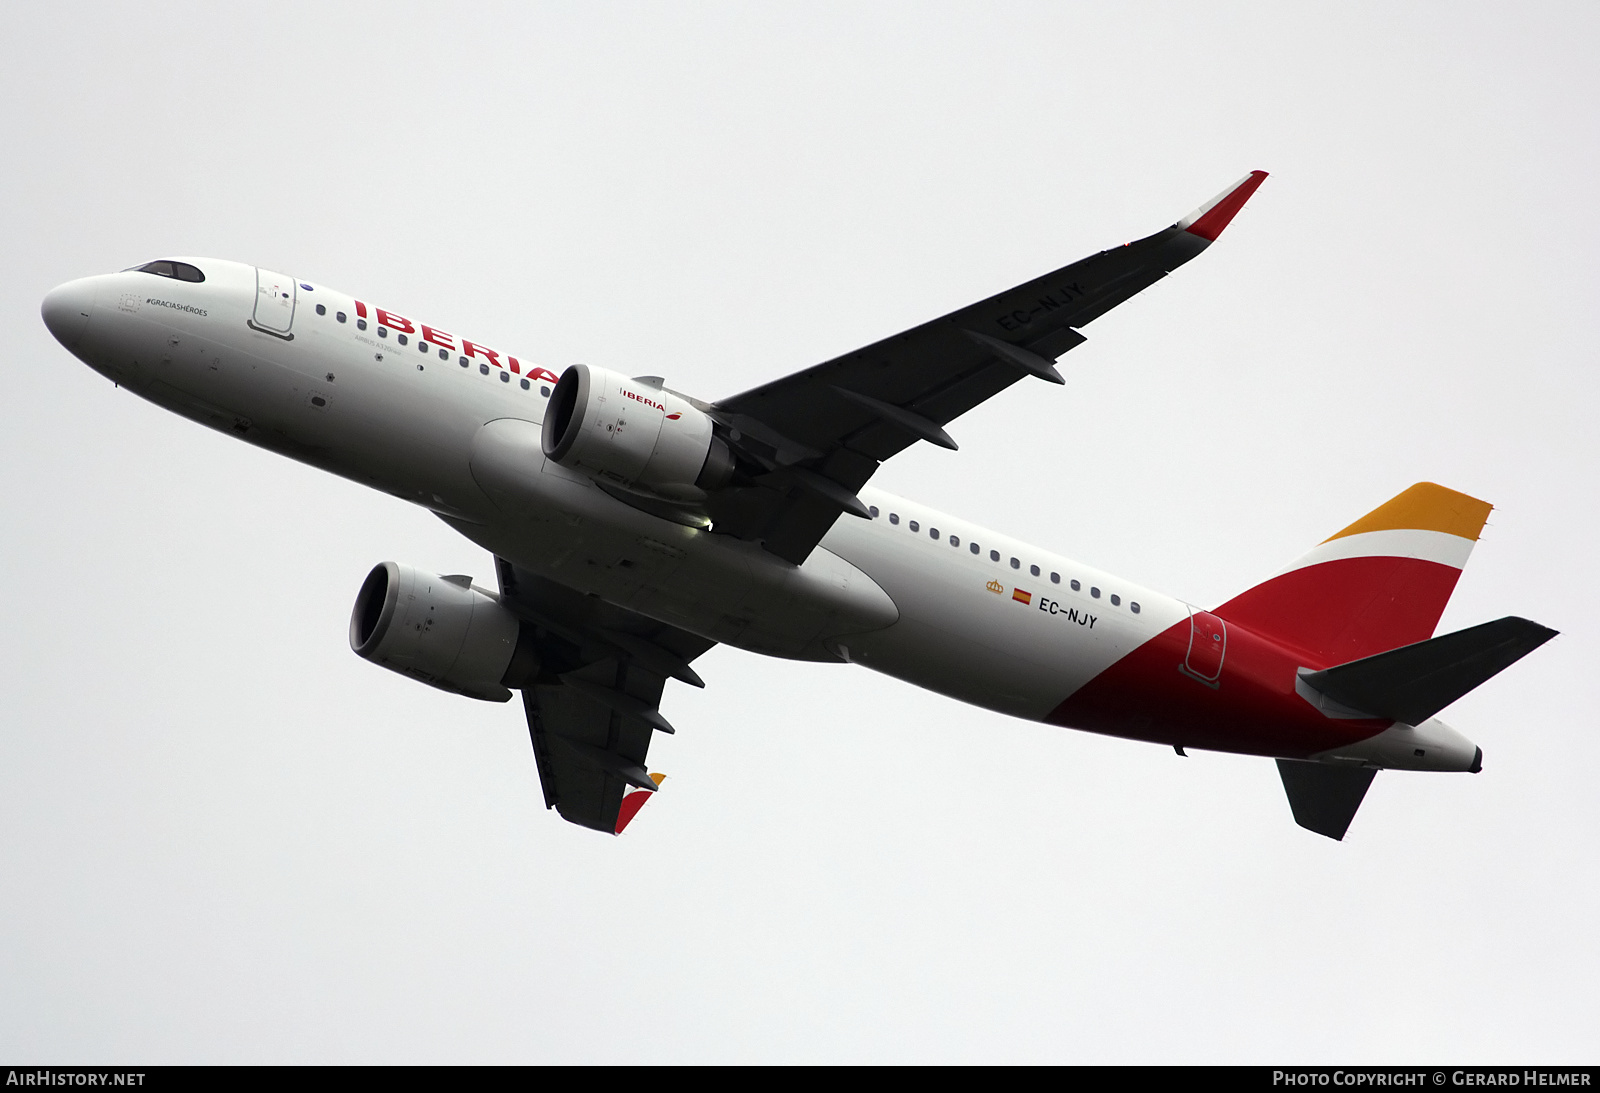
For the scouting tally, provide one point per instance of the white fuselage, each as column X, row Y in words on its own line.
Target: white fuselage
column 1010, row 627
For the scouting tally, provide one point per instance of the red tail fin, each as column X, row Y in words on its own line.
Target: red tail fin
column 1382, row 582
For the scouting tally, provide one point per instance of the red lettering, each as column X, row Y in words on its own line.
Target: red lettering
column 472, row 349
column 396, row 322
column 516, row 365
column 543, row 374
column 437, row 337
column 361, row 310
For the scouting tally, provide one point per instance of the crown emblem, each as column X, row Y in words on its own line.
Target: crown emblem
column 996, row 587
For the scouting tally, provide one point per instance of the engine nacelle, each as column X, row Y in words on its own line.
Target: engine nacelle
column 439, row 630
column 622, row 431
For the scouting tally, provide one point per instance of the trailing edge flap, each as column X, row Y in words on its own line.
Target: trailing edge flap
column 591, row 744
column 1412, row 683
column 1324, row 798
column 588, row 755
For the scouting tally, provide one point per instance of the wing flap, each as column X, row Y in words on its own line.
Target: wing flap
column 593, row 696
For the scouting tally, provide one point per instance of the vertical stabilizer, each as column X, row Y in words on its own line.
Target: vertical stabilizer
column 1382, row 582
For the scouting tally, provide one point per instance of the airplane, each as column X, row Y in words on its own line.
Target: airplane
column 633, row 527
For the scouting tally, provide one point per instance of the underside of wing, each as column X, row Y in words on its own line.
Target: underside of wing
column 808, row 442
column 595, row 675
column 589, row 754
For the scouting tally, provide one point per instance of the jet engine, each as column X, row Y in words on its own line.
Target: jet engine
column 439, row 630
column 633, row 435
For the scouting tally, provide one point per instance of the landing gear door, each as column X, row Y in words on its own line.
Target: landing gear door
column 275, row 299
column 1208, row 645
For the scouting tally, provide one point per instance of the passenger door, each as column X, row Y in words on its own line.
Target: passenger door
column 275, row 299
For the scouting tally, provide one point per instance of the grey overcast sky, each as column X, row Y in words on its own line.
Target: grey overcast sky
column 223, row 837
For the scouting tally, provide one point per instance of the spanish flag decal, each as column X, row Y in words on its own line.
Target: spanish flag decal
column 1020, row 596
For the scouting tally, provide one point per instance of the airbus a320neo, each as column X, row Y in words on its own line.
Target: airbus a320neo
column 633, row 527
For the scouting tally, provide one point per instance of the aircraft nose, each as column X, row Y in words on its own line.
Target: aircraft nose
column 66, row 310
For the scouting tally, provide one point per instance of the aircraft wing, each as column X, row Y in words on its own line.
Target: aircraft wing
column 593, row 704
column 809, row 441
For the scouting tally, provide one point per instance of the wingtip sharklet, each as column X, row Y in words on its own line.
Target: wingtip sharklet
column 633, row 802
column 1209, row 219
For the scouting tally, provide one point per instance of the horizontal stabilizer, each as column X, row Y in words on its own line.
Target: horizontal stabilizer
column 1412, row 683
column 1324, row 798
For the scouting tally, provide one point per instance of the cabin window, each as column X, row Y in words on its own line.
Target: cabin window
column 423, row 347
column 401, row 338
column 525, row 385
column 1095, row 592
column 954, row 541
column 505, row 377
column 1034, row 570
column 894, row 518
column 1015, row 564
column 321, row 310
column 994, row 555
column 339, row 315
column 383, row 332
column 1076, row 587
column 483, row 369
column 1134, row 606
column 933, row 533
column 463, row 362
column 444, row 354
column 974, row 547
column 1116, row 600
column 873, row 509
column 1055, row 578
column 914, row 527
column 545, row 391
column 361, row 324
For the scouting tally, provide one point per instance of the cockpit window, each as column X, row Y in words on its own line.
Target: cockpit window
column 178, row 271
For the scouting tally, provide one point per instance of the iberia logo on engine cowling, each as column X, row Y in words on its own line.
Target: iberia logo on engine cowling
column 1020, row 596
column 640, row 398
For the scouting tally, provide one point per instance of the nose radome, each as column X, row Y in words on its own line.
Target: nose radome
column 66, row 310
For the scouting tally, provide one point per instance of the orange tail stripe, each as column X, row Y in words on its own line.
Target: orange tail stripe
column 1425, row 507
